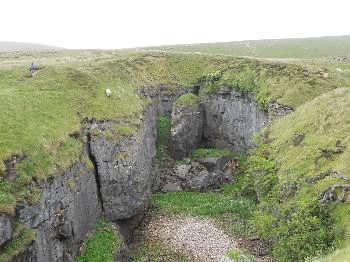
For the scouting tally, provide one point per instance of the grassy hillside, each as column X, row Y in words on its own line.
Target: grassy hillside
column 39, row 114
column 6, row 46
column 279, row 48
column 286, row 168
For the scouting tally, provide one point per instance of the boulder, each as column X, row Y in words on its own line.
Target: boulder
column 171, row 187
column 214, row 163
column 182, row 171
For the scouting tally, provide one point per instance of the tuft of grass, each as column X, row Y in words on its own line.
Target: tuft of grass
column 101, row 245
column 237, row 255
column 188, row 100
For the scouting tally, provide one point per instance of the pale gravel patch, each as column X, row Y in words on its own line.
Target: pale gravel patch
column 199, row 238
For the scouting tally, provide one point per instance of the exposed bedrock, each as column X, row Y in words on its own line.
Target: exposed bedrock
column 67, row 211
column 124, row 168
column 186, row 129
column 231, row 118
column 226, row 119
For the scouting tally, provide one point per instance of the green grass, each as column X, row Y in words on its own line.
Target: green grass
column 282, row 48
column 188, row 100
column 289, row 211
column 163, row 126
column 21, row 238
column 237, row 255
column 156, row 253
column 288, row 84
column 210, row 204
column 101, row 245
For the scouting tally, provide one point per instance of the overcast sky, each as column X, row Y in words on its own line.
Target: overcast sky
column 132, row 23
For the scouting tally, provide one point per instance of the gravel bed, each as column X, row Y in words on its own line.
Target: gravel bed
column 198, row 238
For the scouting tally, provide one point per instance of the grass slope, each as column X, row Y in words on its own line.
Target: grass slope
column 6, row 46
column 271, row 48
column 290, row 153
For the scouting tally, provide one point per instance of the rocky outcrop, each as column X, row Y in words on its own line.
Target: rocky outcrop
column 116, row 182
column 67, row 211
column 124, row 168
column 163, row 97
column 277, row 110
column 231, row 118
column 186, row 129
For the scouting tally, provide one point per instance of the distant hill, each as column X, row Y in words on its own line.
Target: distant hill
column 6, row 46
column 271, row 48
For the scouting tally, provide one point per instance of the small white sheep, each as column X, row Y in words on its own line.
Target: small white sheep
column 108, row 92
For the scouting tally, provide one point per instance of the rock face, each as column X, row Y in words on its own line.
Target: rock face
column 116, row 183
column 230, row 120
column 186, row 129
column 124, row 169
column 64, row 216
column 5, row 229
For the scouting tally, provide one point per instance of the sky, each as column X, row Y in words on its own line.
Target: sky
column 109, row 24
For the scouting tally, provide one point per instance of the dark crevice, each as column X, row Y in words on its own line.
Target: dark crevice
column 94, row 163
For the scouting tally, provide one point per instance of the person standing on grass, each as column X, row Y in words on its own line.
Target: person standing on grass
column 32, row 69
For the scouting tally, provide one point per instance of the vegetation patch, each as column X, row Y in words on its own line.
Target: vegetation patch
column 287, row 84
column 101, row 245
column 163, row 126
column 288, row 182
column 212, row 204
column 237, row 255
